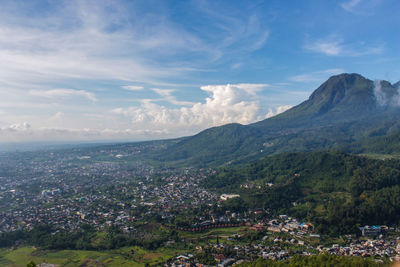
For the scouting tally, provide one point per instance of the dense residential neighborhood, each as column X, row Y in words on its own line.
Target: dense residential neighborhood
column 69, row 192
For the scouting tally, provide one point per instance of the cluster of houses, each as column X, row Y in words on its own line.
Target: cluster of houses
column 381, row 248
column 283, row 233
column 74, row 190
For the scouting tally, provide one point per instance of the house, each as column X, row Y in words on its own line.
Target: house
column 219, row 258
column 226, row 262
column 370, row 230
column 228, row 196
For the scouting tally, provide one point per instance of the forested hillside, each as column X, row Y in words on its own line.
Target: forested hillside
column 334, row 190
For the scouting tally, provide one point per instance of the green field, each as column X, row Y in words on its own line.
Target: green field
column 69, row 258
column 228, row 231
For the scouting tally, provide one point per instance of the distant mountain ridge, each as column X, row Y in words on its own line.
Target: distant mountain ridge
column 343, row 113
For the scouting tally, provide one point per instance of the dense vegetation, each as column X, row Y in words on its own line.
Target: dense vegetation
column 327, row 260
column 334, row 190
column 87, row 238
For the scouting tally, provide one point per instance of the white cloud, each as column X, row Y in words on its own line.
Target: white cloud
column 384, row 99
column 133, row 87
column 278, row 110
column 350, row 5
column 163, row 92
column 316, row 76
column 361, row 7
column 62, row 93
column 327, row 47
column 23, row 132
column 57, row 117
column 151, row 119
column 18, row 127
column 236, row 66
column 234, row 33
column 225, row 104
column 93, row 45
column 74, row 42
column 166, row 95
column 334, row 45
column 106, row 40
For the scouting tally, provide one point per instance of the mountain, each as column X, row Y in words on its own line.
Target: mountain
column 346, row 112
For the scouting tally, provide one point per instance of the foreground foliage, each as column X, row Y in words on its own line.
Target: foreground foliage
column 322, row 260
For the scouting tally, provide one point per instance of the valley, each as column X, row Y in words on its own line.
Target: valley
column 311, row 181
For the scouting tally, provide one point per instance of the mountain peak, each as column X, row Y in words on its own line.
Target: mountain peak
column 344, row 96
column 339, row 87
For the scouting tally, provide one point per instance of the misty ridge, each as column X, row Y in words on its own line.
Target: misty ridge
column 386, row 94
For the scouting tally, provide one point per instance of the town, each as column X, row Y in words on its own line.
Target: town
column 68, row 189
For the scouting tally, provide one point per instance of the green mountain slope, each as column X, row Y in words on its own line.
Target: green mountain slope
column 346, row 112
column 215, row 145
column 342, row 97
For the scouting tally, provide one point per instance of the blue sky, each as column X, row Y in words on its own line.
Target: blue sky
column 137, row 70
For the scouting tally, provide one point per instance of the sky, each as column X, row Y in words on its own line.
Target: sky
column 139, row 70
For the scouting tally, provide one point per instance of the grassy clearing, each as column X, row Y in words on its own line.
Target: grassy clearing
column 214, row 232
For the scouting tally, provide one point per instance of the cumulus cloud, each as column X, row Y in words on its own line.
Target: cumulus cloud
column 225, row 104
column 166, row 95
column 63, row 93
column 152, row 119
column 278, row 110
column 18, row 127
